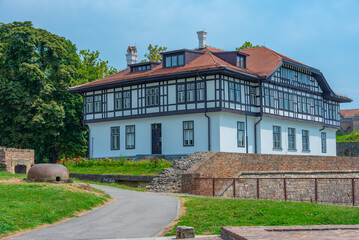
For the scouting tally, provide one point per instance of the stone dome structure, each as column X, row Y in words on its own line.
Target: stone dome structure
column 46, row 172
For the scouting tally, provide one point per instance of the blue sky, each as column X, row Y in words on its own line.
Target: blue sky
column 321, row 34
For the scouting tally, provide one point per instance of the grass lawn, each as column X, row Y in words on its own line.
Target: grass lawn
column 208, row 215
column 28, row 205
column 351, row 137
column 117, row 170
column 6, row 176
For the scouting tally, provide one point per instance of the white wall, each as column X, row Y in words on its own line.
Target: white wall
column 266, row 137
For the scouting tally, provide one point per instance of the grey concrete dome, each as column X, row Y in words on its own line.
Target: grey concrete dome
column 47, row 172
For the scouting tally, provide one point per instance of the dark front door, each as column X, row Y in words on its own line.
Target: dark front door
column 156, row 139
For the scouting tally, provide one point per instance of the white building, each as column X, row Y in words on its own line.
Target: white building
column 249, row 101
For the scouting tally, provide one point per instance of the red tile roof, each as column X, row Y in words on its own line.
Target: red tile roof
column 349, row 113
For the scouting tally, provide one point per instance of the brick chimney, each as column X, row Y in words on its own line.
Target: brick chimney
column 202, row 37
column 131, row 56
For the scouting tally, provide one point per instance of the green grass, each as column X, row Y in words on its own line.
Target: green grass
column 208, row 215
column 351, row 137
column 116, row 185
column 117, row 170
column 5, row 175
column 28, row 205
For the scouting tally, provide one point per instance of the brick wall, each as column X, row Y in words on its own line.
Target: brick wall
column 348, row 149
column 11, row 157
column 235, row 165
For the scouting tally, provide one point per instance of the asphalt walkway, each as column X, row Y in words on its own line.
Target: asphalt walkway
column 131, row 215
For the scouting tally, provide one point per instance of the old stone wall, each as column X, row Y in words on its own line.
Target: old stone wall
column 16, row 160
column 241, row 166
column 348, row 149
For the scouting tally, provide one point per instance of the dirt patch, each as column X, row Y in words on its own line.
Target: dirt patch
column 181, row 212
column 13, row 180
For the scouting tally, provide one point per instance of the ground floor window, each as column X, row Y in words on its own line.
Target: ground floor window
column 291, row 138
column 305, row 140
column 324, row 142
column 130, row 137
column 115, row 138
column 188, row 133
column 240, row 134
column 277, row 141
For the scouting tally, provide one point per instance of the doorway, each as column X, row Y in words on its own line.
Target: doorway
column 156, row 138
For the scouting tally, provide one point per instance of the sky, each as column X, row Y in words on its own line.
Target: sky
column 321, row 34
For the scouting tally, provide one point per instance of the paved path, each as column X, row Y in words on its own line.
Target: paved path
column 131, row 215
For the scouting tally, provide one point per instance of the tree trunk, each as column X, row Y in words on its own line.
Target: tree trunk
column 54, row 155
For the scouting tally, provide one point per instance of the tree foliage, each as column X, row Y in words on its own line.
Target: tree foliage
column 36, row 109
column 154, row 53
column 246, row 44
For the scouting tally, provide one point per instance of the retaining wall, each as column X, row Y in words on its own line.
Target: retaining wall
column 348, row 149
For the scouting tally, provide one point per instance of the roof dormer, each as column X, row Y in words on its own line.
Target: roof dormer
column 141, row 67
column 179, row 58
column 236, row 58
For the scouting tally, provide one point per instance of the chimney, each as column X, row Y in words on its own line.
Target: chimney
column 202, row 36
column 131, row 56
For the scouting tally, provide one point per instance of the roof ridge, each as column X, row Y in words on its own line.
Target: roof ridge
column 214, row 60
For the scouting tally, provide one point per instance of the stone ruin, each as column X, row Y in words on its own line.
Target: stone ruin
column 18, row 161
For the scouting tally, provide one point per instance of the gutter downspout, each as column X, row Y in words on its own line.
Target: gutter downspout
column 205, row 114
column 261, row 116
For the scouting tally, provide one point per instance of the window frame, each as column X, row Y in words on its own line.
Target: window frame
column 279, row 134
column 100, row 103
column 323, row 138
column 241, row 129
column 87, row 103
column 118, row 138
column 130, row 133
column 292, row 145
column 168, row 64
column 152, row 95
column 190, row 132
column 305, row 144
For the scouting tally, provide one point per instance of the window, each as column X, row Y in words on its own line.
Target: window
column 130, row 137
column 115, row 138
column 188, row 134
column 181, row 97
column 285, row 101
column 271, row 103
column 280, row 95
column 309, row 106
column 231, row 91
column 89, row 104
column 324, row 142
column 240, row 134
column 174, row 61
column 122, row 100
column 291, row 102
column 305, row 140
column 98, row 103
column 200, row 91
column 299, row 104
column 253, row 96
column 141, row 68
column 152, row 96
column 291, row 138
column 277, row 143
column 190, row 92
column 238, row 92
column 266, row 97
column 118, row 100
column 240, row 62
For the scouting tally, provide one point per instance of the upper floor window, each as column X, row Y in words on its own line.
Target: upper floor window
column 181, row 93
column 305, row 140
column 291, row 102
column 89, row 104
column 277, row 141
column 253, row 96
column 98, row 103
column 200, row 91
column 190, row 92
column 240, row 134
column 141, row 68
column 188, row 133
column 291, row 138
column 240, row 62
column 152, row 96
column 122, row 100
column 231, row 91
column 324, row 142
column 115, row 138
column 174, row 61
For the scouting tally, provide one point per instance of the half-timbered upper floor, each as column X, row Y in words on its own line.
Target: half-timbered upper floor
column 253, row 82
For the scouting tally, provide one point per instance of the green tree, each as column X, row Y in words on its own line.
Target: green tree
column 246, row 44
column 154, row 53
column 36, row 109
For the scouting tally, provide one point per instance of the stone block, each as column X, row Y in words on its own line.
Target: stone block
column 184, row 232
